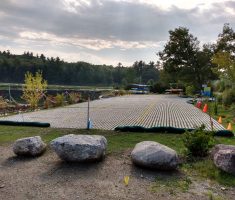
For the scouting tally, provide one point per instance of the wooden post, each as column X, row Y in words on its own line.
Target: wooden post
column 212, row 125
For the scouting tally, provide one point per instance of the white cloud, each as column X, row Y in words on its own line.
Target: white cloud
column 184, row 4
column 107, row 31
column 93, row 44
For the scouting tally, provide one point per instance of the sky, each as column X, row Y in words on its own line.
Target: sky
column 107, row 31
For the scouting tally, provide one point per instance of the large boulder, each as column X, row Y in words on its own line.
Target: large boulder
column 224, row 157
column 80, row 148
column 154, row 155
column 30, row 146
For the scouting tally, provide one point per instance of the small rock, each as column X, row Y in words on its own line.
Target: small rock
column 30, row 146
column 223, row 188
column 2, row 186
column 141, row 176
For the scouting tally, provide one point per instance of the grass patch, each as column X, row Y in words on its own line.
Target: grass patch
column 172, row 184
column 206, row 169
column 227, row 114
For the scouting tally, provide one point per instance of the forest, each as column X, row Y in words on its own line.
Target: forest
column 56, row 71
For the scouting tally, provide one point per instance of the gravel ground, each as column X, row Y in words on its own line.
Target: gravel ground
column 49, row 178
column 133, row 110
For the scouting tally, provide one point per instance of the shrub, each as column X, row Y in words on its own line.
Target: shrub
column 219, row 98
column 228, row 97
column 74, row 97
column 122, row 92
column 59, row 100
column 34, row 88
column 49, row 102
column 198, row 142
column 158, row 88
column 3, row 103
column 189, row 90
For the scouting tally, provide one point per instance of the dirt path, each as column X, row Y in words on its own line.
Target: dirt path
column 47, row 177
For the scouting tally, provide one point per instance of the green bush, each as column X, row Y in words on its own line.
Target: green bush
column 228, row 97
column 158, row 88
column 190, row 90
column 219, row 98
column 198, row 142
column 59, row 100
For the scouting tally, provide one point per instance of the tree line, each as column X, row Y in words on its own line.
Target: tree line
column 56, row 71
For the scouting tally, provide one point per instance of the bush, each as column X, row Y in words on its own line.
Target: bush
column 3, row 103
column 219, row 98
column 198, row 142
column 190, row 90
column 59, row 100
column 158, row 88
column 74, row 97
column 228, row 97
column 49, row 102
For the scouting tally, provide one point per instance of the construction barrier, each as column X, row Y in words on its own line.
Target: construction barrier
column 224, row 133
column 33, row 124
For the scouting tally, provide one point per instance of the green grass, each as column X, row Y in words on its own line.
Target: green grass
column 227, row 114
column 119, row 142
column 206, row 169
column 172, row 184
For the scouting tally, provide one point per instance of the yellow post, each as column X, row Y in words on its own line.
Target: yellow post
column 126, row 180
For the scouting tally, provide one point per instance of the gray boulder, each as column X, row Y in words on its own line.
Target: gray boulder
column 30, row 146
column 80, row 148
column 154, row 155
column 224, row 157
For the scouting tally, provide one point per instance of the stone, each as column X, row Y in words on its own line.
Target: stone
column 30, row 146
column 80, row 148
column 154, row 155
column 219, row 147
column 224, row 157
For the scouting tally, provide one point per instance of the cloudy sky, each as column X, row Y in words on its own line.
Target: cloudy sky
column 107, row 31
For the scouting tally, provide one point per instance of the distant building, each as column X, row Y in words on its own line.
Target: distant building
column 174, row 91
column 139, row 89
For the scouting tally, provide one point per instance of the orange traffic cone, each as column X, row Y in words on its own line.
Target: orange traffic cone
column 205, row 109
column 220, row 120
column 229, row 127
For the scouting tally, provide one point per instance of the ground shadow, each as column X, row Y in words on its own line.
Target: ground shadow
column 72, row 170
column 15, row 160
column 153, row 174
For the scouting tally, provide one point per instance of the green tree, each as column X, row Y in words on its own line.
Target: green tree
column 225, row 65
column 183, row 61
column 226, row 40
column 224, row 56
column 34, row 88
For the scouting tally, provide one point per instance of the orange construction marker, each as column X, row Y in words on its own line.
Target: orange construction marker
column 229, row 127
column 220, row 120
column 205, row 109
